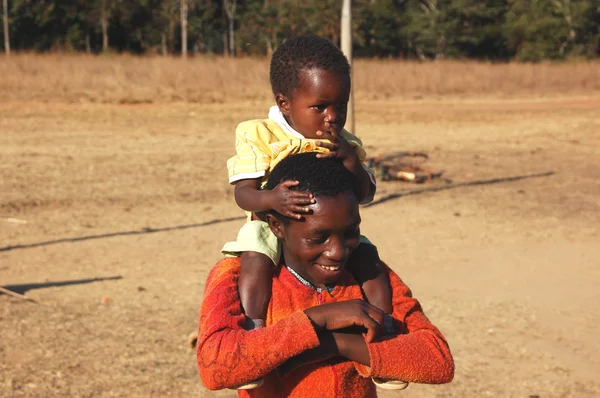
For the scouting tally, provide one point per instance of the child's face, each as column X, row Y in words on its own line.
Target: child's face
column 318, row 103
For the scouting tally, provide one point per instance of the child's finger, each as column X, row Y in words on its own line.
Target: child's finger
column 328, row 136
column 299, row 209
column 291, row 214
column 329, row 145
column 326, row 155
column 300, row 194
column 289, row 183
column 303, row 200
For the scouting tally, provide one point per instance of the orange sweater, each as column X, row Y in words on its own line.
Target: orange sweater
column 229, row 356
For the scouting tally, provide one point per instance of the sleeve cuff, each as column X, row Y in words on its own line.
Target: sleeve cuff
column 375, row 359
column 246, row 176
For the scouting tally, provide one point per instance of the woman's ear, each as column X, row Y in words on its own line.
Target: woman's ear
column 276, row 226
column 283, row 104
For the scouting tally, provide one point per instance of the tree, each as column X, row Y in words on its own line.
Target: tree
column 229, row 7
column 380, row 28
column 104, row 24
column 550, row 29
column 184, row 15
column 5, row 24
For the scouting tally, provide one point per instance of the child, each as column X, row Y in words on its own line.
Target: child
column 310, row 79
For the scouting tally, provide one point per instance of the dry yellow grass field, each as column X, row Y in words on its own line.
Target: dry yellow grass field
column 131, row 79
column 115, row 167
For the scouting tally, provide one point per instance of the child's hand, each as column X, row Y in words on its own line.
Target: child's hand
column 292, row 204
column 338, row 147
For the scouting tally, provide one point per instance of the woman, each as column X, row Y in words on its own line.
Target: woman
column 321, row 338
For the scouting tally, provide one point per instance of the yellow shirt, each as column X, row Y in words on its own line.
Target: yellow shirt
column 261, row 144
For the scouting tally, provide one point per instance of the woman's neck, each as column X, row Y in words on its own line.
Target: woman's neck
column 299, row 274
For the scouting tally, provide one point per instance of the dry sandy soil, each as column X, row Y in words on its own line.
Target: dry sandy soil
column 112, row 215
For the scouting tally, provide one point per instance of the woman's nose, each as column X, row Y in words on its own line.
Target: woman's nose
column 338, row 251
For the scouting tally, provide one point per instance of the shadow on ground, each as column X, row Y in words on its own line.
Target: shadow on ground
column 222, row 220
column 23, row 288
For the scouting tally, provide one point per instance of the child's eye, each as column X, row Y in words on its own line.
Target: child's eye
column 320, row 107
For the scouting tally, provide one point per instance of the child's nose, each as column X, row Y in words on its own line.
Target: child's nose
column 332, row 117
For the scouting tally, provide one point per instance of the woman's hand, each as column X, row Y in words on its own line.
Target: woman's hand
column 347, row 314
column 292, row 204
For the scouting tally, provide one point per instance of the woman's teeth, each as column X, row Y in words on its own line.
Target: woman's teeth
column 330, row 267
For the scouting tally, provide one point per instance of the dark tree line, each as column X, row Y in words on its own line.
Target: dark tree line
column 528, row 30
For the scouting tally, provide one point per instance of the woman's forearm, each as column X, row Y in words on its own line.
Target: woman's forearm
column 353, row 347
column 228, row 355
column 348, row 345
column 327, row 349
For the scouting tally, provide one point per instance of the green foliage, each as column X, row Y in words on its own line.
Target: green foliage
column 552, row 29
column 526, row 30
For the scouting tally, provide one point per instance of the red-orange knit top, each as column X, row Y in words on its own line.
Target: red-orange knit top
column 229, row 356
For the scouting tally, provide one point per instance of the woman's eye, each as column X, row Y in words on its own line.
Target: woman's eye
column 318, row 240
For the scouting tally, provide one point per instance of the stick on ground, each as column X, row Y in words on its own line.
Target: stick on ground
column 17, row 295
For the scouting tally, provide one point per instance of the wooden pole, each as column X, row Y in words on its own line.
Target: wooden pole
column 5, row 23
column 346, row 44
column 184, row 23
column 104, row 24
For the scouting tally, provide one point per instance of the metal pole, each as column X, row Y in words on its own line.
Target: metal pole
column 5, row 23
column 347, row 50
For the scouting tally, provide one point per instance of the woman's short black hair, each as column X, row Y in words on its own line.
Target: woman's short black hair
column 322, row 177
column 301, row 53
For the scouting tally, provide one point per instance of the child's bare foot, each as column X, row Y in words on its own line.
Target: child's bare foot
column 193, row 340
column 252, row 324
column 388, row 384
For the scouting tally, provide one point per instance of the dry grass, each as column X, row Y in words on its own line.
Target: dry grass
column 131, row 79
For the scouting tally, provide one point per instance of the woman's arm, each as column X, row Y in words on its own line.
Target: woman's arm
column 418, row 354
column 348, row 345
column 228, row 355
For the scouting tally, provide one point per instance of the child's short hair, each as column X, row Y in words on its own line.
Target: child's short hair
column 304, row 52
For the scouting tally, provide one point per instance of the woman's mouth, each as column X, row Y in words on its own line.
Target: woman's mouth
column 330, row 268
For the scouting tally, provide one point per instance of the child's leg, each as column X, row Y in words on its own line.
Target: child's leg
column 365, row 265
column 254, row 285
column 259, row 252
column 368, row 271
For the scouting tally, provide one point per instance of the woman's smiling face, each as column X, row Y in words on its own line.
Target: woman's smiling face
column 318, row 246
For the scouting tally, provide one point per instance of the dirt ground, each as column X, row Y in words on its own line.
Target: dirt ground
column 111, row 217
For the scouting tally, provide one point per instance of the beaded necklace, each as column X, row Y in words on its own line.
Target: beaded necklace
column 328, row 289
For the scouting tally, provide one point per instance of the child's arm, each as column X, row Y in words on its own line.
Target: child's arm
column 340, row 148
column 289, row 203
